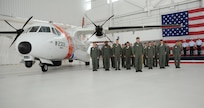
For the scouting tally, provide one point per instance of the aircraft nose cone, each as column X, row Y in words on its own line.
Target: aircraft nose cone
column 24, row 47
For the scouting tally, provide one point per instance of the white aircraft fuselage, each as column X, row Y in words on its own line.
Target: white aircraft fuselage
column 49, row 44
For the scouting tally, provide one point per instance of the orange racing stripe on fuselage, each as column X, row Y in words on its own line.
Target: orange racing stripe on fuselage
column 69, row 39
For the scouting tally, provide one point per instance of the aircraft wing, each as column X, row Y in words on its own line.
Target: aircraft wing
column 110, row 30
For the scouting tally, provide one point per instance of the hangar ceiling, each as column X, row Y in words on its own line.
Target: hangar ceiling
column 124, row 8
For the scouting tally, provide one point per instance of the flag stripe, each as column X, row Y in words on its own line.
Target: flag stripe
column 195, row 14
column 196, row 10
column 197, row 29
column 196, row 25
column 196, row 33
column 187, row 40
column 196, row 21
column 197, row 17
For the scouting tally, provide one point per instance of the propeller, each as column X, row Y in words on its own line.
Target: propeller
column 98, row 28
column 18, row 31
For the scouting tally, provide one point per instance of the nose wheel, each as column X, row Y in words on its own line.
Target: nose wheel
column 44, row 67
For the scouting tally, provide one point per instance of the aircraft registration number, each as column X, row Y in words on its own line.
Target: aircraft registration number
column 59, row 43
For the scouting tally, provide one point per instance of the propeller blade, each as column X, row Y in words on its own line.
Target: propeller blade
column 8, row 32
column 92, row 35
column 27, row 21
column 108, row 38
column 15, row 39
column 90, row 20
column 10, row 24
column 107, row 19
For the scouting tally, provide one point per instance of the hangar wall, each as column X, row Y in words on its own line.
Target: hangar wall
column 133, row 12
column 63, row 11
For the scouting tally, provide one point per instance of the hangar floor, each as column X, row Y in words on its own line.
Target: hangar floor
column 76, row 86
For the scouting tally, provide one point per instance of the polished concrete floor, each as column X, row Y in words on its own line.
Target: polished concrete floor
column 76, row 86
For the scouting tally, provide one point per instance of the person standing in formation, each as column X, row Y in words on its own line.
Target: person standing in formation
column 155, row 54
column 117, row 53
column 128, row 55
column 177, row 54
column 138, row 51
column 106, row 54
column 132, row 57
column 145, row 61
column 184, row 45
column 123, row 55
column 99, row 52
column 192, row 45
column 94, row 56
column 162, row 54
column 150, row 55
column 167, row 54
column 112, row 58
column 199, row 46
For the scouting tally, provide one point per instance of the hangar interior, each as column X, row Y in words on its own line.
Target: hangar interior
column 74, row 85
column 126, row 13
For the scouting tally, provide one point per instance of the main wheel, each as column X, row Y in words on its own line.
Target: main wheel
column 44, row 68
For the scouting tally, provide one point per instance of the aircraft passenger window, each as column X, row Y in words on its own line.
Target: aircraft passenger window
column 34, row 29
column 53, row 30
column 58, row 33
column 44, row 29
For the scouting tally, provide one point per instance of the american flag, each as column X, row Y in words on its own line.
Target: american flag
column 192, row 22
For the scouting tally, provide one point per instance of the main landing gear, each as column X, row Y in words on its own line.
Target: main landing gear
column 44, row 67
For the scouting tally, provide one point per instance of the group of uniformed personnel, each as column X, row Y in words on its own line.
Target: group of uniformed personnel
column 134, row 55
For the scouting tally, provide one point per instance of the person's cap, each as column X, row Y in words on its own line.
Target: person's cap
column 161, row 40
column 137, row 37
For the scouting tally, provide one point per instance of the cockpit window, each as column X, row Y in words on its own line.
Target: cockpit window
column 53, row 30
column 58, row 33
column 44, row 29
column 34, row 29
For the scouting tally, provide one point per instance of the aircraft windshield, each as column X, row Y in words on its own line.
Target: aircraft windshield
column 34, row 29
column 44, row 29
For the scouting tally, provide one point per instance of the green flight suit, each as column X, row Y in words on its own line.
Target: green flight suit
column 99, row 52
column 138, row 51
column 123, row 57
column 167, row 55
column 177, row 55
column 145, row 60
column 150, row 52
column 155, row 56
column 162, row 55
column 94, row 56
column 106, row 54
column 117, row 52
column 128, row 56
column 112, row 59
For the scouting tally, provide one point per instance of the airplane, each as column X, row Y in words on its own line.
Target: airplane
column 49, row 44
